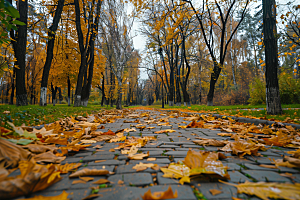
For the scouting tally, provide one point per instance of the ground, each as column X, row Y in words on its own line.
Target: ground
column 168, row 147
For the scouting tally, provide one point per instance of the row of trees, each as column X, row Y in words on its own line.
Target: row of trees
column 214, row 48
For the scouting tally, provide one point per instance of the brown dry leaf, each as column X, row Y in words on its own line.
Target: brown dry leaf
column 120, row 182
column 195, row 124
column 133, row 150
column 268, row 166
column 92, row 196
column 215, row 191
column 63, row 196
column 63, row 169
column 183, row 127
column 142, row 166
column 269, row 190
column 33, row 178
column 241, row 148
column 48, row 157
column 78, row 182
column 225, row 134
column 98, row 146
column 101, row 181
column 38, row 148
column 87, row 141
column 98, row 161
column 139, row 156
column 210, row 142
column 151, row 159
column 88, row 124
column 89, row 172
column 86, row 178
column 11, row 154
column 281, row 139
column 111, row 150
column 109, row 132
column 129, row 130
column 293, row 161
column 57, row 140
column 155, row 167
column 168, row 194
column 192, row 118
column 295, row 154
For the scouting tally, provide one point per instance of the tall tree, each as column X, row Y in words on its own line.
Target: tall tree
column 87, row 50
column 271, row 57
column 50, row 45
column 213, row 17
column 19, row 41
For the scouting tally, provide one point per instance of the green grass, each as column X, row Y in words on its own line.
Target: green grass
column 237, row 110
column 36, row 115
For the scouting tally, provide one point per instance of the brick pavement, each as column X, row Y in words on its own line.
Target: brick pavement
column 168, row 148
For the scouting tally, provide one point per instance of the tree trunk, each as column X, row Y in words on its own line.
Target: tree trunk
column 102, row 90
column 69, row 90
column 53, row 90
column 19, row 45
column 271, row 57
column 50, row 45
column 119, row 100
column 213, row 79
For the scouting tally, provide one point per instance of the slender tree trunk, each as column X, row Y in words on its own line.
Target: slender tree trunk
column 69, row 90
column 11, row 102
column 50, row 45
column 19, row 45
column 213, row 79
column 103, row 91
column 271, row 53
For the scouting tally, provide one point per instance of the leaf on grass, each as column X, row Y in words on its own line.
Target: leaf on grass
column 215, row 191
column 63, row 196
column 5, row 131
column 101, row 181
column 269, row 190
column 89, row 172
column 168, row 194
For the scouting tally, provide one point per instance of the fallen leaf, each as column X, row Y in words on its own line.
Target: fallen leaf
column 48, row 157
column 268, row 166
column 195, row 124
column 63, row 169
column 88, row 141
column 98, row 161
column 89, row 172
column 120, row 182
column 111, row 150
column 109, row 132
column 57, row 140
column 78, row 182
column 92, row 196
column 269, row 190
column 86, row 178
column 210, row 142
column 101, row 181
column 63, row 196
column 139, row 156
column 11, row 154
column 168, row 194
column 215, row 191
column 33, row 178
column 151, row 159
column 155, row 167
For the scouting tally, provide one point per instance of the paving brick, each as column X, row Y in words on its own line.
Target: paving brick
column 98, row 157
column 136, row 179
column 267, row 176
column 162, row 180
column 227, row 190
column 178, row 154
column 232, row 166
column 157, row 161
column 237, row 177
column 74, row 194
column 168, row 146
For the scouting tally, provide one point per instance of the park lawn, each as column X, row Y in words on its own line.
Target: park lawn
column 36, row 115
column 250, row 111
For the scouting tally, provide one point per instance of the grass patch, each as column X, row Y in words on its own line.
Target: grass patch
column 33, row 115
column 199, row 195
column 250, row 111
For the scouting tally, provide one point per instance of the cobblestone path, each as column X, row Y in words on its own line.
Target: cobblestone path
column 168, row 148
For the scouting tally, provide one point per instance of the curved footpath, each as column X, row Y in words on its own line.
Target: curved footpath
column 170, row 147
